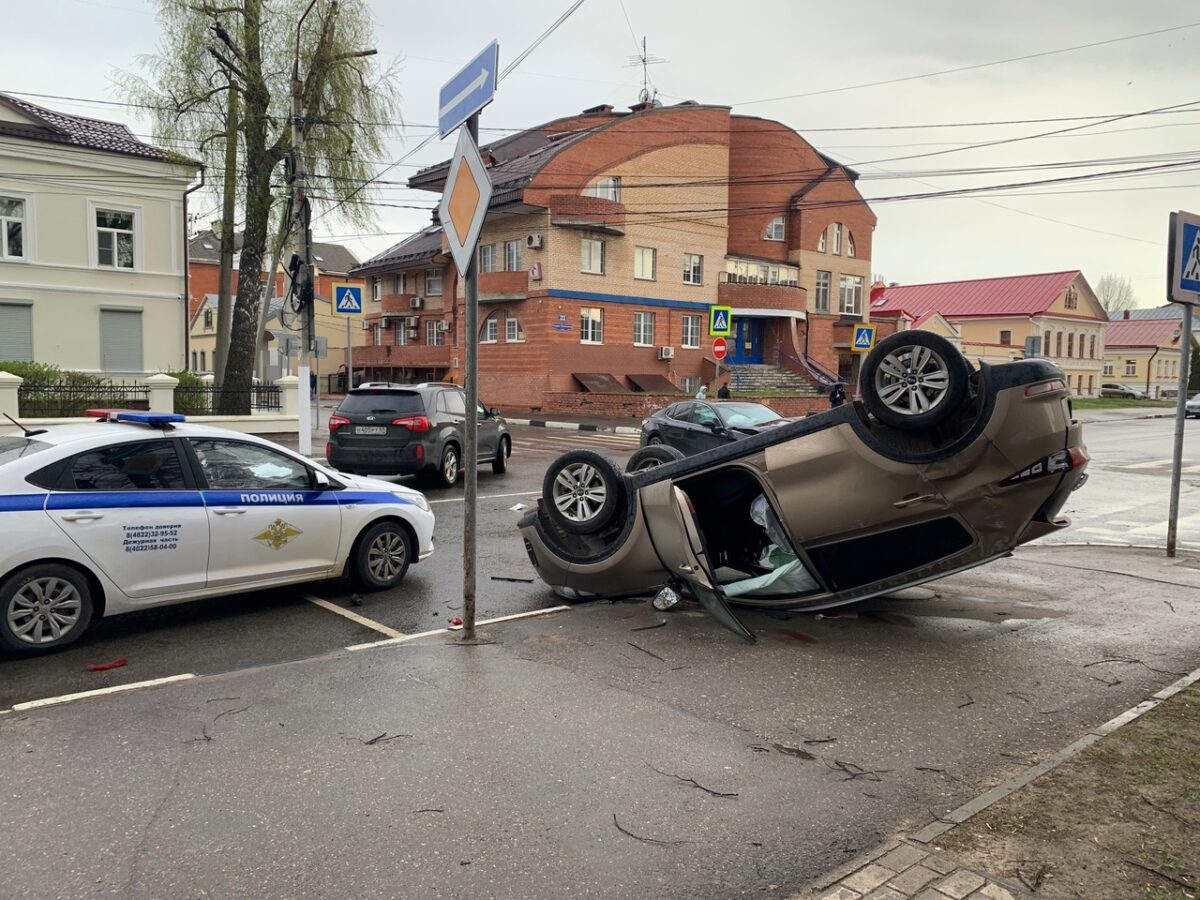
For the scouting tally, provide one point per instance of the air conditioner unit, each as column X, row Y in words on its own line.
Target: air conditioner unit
column 414, row 333
column 534, row 242
column 366, row 325
column 415, row 303
column 443, row 324
column 666, row 352
column 414, row 321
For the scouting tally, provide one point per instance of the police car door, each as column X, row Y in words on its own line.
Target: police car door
column 135, row 510
column 267, row 519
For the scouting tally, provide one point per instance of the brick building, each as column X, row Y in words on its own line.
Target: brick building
column 610, row 235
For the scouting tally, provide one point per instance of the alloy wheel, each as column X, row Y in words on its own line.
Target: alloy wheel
column 912, row 380
column 580, row 492
column 44, row 610
column 386, row 556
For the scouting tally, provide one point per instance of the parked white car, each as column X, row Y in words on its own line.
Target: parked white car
column 141, row 509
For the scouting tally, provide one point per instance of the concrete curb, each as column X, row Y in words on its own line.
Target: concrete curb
column 575, row 426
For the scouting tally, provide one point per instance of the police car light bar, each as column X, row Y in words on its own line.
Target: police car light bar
column 136, row 417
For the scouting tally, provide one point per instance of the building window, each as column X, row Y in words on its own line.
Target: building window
column 376, row 289
column 693, row 268
column 1131, row 367
column 1006, row 337
column 194, row 369
column 398, row 286
column 643, row 329
column 203, row 361
column 1070, row 345
column 645, row 263
column 605, row 188
column 114, row 239
column 487, row 258
column 691, row 332
column 851, row 294
column 121, row 340
column 1071, row 300
column 16, row 332
column 434, row 336
column 1092, row 354
column 774, row 230
column 12, row 228
column 849, row 243
column 512, row 256
column 400, row 339
column 824, row 280
column 836, row 238
column 513, row 332
column 1046, row 342
column 1091, row 384
column 1058, row 344
column 208, row 320
column 823, row 242
column 490, row 333
column 691, row 383
column 1108, row 367
column 433, row 282
column 591, row 325
column 377, row 335
column 591, row 256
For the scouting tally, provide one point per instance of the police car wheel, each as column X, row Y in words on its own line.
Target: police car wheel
column 44, row 607
column 914, row 379
column 382, row 557
column 500, row 460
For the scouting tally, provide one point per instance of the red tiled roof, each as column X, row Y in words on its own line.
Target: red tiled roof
column 1017, row 295
column 1140, row 332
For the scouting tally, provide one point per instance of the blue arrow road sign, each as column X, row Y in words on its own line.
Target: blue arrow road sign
column 347, row 299
column 469, row 91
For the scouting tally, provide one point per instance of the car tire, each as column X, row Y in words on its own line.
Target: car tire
column 65, row 595
column 914, row 380
column 450, row 466
column 583, row 491
column 500, row 460
column 651, row 456
column 382, row 556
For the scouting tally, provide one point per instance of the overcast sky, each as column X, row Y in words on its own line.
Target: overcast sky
column 757, row 50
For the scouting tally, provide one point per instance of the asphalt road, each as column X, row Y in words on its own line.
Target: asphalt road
column 235, row 632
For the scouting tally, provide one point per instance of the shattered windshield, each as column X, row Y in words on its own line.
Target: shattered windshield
column 746, row 415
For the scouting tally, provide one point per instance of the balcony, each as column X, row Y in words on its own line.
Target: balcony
column 786, row 298
column 396, row 304
column 500, row 286
column 410, row 355
column 590, row 213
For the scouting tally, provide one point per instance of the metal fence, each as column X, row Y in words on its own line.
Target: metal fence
column 62, row 401
column 206, row 400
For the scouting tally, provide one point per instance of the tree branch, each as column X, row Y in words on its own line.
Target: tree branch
column 219, row 30
column 358, row 54
column 206, row 10
column 229, row 66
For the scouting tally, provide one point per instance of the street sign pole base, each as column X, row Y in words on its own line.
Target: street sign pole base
column 479, row 640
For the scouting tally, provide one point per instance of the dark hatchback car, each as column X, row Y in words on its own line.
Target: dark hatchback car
column 693, row 426
column 412, row 430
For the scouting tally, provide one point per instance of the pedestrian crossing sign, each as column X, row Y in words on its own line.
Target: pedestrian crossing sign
column 347, row 299
column 720, row 321
column 1183, row 256
column 864, row 338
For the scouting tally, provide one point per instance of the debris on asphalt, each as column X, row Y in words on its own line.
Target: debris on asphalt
column 970, row 702
column 205, row 737
column 658, row 624
column 646, row 840
column 833, row 615
column 789, row 750
column 644, row 650
column 230, row 712
column 801, row 637
column 824, row 740
column 383, row 738
column 105, row 666
column 221, row 699
column 693, row 782
column 517, row 507
column 429, row 809
column 456, row 622
column 853, row 771
column 507, row 578
column 356, row 600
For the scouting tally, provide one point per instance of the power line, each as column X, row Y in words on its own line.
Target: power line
column 997, row 62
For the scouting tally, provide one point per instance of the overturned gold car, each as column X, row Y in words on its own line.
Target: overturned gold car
column 939, row 468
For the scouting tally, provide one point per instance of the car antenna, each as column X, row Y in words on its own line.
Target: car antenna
column 29, row 432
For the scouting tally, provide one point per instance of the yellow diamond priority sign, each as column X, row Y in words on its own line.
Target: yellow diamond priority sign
column 465, row 201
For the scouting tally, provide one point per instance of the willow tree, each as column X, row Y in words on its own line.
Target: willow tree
column 347, row 100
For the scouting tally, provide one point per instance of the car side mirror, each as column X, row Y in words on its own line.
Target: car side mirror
column 321, row 480
column 717, row 428
column 494, row 413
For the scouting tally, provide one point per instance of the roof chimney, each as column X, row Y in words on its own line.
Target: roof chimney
column 598, row 110
column 877, row 290
column 1126, row 314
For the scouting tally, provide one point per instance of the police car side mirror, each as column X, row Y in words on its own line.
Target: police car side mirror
column 320, row 480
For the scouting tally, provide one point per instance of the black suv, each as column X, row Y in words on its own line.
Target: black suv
column 411, row 430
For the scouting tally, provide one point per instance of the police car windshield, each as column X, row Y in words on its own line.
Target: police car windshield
column 382, row 401
column 16, row 447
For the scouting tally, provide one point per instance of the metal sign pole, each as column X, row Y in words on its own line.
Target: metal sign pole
column 471, row 428
column 1185, row 353
column 349, row 358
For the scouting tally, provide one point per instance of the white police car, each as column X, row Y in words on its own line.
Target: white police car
column 139, row 510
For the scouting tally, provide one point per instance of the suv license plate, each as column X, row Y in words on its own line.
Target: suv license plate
column 370, row 429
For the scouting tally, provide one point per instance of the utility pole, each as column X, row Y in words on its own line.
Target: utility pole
column 303, row 237
column 225, row 289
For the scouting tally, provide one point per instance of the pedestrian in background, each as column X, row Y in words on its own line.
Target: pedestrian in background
column 837, row 395
column 723, row 391
column 702, row 393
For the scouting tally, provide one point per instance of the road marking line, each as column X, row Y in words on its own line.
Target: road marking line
column 99, row 692
column 412, row 637
column 1152, row 464
column 354, row 617
column 489, row 497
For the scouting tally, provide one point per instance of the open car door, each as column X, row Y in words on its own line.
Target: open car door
column 680, row 544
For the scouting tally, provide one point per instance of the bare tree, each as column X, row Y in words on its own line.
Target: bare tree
column 348, row 106
column 1115, row 292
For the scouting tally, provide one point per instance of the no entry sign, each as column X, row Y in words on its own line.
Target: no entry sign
column 720, row 348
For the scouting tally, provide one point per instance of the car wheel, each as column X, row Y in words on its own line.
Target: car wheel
column 913, row 380
column 654, row 441
column 382, row 556
column 448, row 469
column 650, row 456
column 500, row 460
column 583, row 491
column 44, row 607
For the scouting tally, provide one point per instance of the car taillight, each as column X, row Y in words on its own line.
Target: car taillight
column 1042, row 388
column 1054, row 464
column 413, row 423
column 336, row 422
